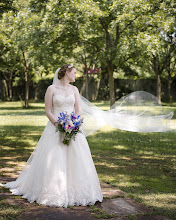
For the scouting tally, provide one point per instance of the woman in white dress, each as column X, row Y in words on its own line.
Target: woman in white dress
column 60, row 175
column 55, row 174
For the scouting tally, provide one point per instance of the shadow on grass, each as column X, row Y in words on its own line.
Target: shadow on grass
column 40, row 113
column 140, row 164
column 18, row 142
column 21, row 108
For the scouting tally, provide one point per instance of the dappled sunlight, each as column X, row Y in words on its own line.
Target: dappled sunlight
column 137, row 163
column 126, row 158
column 143, row 165
column 6, row 148
column 104, row 105
column 24, row 120
column 16, row 108
column 11, row 161
column 160, row 200
column 128, row 184
column 171, row 124
column 106, row 164
column 120, row 147
column 106, row 178
column 14, row 105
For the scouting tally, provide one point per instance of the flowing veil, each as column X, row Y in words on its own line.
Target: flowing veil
column 138, row 111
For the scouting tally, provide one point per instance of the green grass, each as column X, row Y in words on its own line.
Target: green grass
column 100, row 214
column 9, row 212
column 141, row 164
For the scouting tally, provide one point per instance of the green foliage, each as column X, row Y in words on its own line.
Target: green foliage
column 6, row 5
column 125, row 34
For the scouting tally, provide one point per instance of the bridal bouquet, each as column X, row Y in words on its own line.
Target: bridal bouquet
column 70, row 125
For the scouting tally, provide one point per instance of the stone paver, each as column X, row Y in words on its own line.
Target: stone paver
column 110, row 192
column 123, row 206
column 115, row 202
column 158, row 217
column 43, row 213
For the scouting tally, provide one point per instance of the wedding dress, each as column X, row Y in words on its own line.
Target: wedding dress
column 55, row 174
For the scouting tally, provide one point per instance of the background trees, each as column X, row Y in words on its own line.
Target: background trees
column 121, row 36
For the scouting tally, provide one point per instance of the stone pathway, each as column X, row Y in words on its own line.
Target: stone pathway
column 115, row 205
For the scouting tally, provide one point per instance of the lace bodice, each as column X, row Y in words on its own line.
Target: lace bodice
column 63, row 103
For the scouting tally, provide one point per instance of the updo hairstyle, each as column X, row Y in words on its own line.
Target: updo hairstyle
column 63, row 69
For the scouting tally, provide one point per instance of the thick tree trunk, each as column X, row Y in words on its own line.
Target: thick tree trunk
column 10, row 91
column 5, row 89
column 111, row 84
column 158, row 87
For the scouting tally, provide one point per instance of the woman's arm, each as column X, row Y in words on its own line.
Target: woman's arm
column 77, row 101
column 48, row 104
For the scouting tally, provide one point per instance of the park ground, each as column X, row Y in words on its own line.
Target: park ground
column 141, row 165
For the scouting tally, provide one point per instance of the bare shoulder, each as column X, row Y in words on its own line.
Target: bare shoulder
column 75, row 89
column 50, row 89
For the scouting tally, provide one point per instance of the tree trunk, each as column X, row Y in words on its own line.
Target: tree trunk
column 87, row 82
column 158, row 71
column 5, row 89
column 111, row 84
column 10, row 86
column 169, row 88
column 36, row 92
column 26, row 67
column 85, row 73
column 97, row 88
column 26, row 88
column 158, row 88
column 10, row 91
column 83, row 88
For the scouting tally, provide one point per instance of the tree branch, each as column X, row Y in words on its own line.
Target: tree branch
column 117, row 36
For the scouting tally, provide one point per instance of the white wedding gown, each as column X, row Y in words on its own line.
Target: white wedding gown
column 55, row 174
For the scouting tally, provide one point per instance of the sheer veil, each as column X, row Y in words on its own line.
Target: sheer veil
column 139, row 111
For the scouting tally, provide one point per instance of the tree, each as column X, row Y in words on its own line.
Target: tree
column 5, row 6
column 99, row 24
column 157, row 41
column 21, row 30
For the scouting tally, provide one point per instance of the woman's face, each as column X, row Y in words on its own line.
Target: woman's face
column 72, row 75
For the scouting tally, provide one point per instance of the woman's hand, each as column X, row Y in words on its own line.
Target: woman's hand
column 56, row 124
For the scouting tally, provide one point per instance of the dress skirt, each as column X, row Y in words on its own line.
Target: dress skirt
column 58, row 175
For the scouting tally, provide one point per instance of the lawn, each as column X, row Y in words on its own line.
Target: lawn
column 143, row 165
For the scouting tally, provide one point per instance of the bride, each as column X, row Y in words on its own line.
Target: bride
column 56, row 174
column 60, row 175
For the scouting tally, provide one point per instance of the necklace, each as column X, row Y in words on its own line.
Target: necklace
column 64, row 88
column 61, row 87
